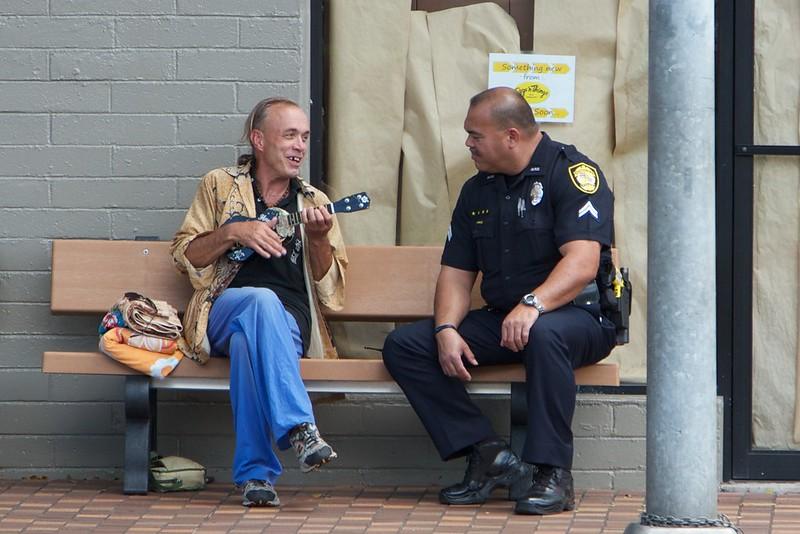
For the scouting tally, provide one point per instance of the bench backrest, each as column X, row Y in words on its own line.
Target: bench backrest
column 384, row 283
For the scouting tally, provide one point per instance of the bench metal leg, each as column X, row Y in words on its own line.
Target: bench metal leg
column 153, row 424
column 140, row 408
column 519, row 422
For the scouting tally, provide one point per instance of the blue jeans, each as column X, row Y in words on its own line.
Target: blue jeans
column 268, row 397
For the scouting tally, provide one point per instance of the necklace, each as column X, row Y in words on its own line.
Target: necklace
column 262, row 199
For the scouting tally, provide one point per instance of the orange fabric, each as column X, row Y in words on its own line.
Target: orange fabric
column 152, row 356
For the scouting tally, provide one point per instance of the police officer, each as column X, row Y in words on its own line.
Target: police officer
column 535, row 221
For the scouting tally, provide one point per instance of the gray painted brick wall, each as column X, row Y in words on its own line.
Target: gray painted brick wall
column 110, row 111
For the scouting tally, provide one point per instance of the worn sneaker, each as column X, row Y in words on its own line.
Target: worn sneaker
column 259, row 493
column 311, row 449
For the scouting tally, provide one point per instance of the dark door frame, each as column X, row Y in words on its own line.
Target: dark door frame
column 735, row 151
column 318, row 77
column 724, row 44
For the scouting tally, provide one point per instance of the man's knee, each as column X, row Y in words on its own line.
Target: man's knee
column 263, row 300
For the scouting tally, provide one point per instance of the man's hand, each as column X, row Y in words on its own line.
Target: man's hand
column 318, row 222
column 452, row 348
column 258, row 235
column 517, row 326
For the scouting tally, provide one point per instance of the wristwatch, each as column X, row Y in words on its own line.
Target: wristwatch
column 532, row 300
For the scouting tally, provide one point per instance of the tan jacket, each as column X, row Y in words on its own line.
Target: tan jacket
column 222, row 194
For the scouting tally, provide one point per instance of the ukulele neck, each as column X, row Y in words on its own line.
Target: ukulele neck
column 293, row 219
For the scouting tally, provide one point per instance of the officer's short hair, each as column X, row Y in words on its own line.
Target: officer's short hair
column 509, row 109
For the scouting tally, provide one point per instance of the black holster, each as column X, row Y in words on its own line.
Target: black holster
column 589, row 299
column 615, row 290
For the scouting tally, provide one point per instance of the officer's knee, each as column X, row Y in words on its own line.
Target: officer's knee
column 544, row 340
column 391, row 348
column 397, row 347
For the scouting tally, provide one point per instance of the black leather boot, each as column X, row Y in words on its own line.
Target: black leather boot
column 491, row 464
column 552, row 492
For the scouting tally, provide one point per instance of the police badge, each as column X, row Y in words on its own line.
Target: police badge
column 584, row 178
column 537, row 192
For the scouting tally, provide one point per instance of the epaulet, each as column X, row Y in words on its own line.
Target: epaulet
column 572, row 153
column 480, row 178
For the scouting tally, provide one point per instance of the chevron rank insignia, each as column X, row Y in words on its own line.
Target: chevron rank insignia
column 585, row 178
column 588, row 208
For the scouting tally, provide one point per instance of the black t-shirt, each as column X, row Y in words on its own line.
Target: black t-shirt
column 510, row 227
column 285, row 276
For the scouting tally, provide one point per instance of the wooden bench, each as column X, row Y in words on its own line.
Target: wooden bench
column 384, row 283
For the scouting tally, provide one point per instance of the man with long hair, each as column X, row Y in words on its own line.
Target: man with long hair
column 263, row 312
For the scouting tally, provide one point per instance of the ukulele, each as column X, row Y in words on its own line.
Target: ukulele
column 287, row 221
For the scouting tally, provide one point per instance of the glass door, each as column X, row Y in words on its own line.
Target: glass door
column 759, row 235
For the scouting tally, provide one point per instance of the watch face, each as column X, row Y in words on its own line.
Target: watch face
column 529, row 300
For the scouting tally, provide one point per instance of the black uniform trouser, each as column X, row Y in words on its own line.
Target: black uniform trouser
column 560, row 341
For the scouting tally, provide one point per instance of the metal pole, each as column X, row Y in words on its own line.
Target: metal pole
column 681, row 315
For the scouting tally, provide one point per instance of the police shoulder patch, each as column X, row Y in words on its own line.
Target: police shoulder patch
column 585, row 178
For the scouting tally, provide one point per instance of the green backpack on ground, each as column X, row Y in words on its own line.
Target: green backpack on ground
column 173, row 473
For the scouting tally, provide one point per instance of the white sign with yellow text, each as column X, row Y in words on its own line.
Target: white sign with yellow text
column 546, row 82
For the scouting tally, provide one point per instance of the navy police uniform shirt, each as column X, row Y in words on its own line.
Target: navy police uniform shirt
column 510, row 227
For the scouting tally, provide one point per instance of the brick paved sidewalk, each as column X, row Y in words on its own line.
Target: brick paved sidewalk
column 99, row 506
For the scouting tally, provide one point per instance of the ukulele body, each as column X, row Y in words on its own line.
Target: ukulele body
column 287, row 221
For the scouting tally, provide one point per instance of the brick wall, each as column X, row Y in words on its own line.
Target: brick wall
column 381, row 441
column 110, row 110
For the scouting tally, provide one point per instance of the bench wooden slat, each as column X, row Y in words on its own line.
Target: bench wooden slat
column 602, row 374
column 89, row 277
column 385, row 283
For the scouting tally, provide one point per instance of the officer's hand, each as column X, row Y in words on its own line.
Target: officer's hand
column 258, row 235
column 517, row 326
column 452, row 348
column 318, row 222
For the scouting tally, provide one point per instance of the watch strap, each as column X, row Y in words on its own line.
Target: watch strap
column 444, row 326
